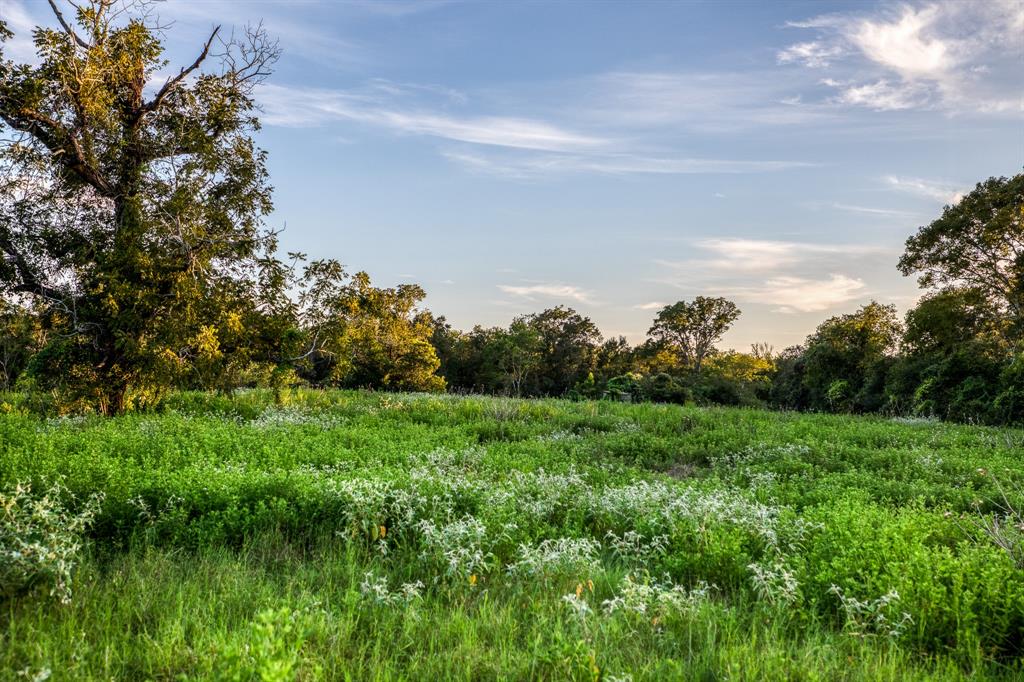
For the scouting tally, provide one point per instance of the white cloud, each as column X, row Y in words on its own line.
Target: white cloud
column 790, row 276
column 701, row 101
column 653, row 305
column 870, row 210
column 956, row 56
column 881, row 95
column 945, row 192
column 20, row 48
column 799, row 294
column 534, row 165
column 813, row 54
column 758, row 255
column 548, row 290
column 296, row 107
column 904, row 45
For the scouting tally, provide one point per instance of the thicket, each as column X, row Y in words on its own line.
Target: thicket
column 595, row 523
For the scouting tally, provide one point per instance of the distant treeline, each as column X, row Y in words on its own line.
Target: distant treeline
column 135, row 259
column 956, row 355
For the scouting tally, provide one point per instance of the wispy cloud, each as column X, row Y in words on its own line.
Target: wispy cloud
column 814, row 54
column 790, row 276
column 548, row 290
column 956, row 56
column 653, row 305
column 20, row 48
column 800, row 294
column 533, row 166
column 881, row 95
column 297, row 107
column 946, row 192
column 760, row 255
column 714, row 102
column 866, row 210
column 500, row 145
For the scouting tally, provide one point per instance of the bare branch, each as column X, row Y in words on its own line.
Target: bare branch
column 172, row 83
column 248, row 59
column 61, row 143
column 67, row 27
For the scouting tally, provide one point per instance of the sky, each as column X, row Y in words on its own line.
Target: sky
column 616, row 157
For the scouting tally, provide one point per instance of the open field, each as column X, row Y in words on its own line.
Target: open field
column 351, row 535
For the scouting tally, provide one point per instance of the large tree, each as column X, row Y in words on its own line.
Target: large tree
column 977, row 243
column 845, row 359
column 129, row 204
column 365, row 336
column 693, row 329
column 569, row 345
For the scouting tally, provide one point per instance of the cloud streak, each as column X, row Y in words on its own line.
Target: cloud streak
column 759, row 255
column 301, row 107
column 557, row 291
column 536, row 166
column 945, row 192
column 792, row 277
column 503, row 146
column 791, row 294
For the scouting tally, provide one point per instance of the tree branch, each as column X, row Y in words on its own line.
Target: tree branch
column 67, row 27
column 61, row 143
column 30, row 282
column 172, row 83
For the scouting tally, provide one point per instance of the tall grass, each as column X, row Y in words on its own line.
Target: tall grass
column 356, row 535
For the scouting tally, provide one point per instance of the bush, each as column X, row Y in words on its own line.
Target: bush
column 40, row 540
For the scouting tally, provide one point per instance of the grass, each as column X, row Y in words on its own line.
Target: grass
column 362, row 536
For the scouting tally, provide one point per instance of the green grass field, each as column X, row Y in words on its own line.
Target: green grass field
column 379, row 536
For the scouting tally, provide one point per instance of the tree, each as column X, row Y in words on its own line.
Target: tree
column 516, row 355
column 19, row 337
column 693, row 329
column 568, row 345
column 977, row 243
column 944, row 321
column 365, row 336
column 954, row 350
column 125, row 216
column 845, row 359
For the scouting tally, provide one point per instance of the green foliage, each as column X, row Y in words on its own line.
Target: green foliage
column 978, row 242
column 842, row 359
column 133, row 222
column 364, row 336
column 20, row 337
column 41, row 540
column 344, row 532
column 692, row 329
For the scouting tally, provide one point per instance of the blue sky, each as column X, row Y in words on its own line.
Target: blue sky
column 511, row 156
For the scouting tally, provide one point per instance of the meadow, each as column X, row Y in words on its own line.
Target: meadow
column 374, row 536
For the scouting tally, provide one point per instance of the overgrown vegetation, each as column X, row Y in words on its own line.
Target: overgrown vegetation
column 135, row 261
column 410, row 535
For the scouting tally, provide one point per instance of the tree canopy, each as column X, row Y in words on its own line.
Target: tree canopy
column 976, row 243
column 129, row 207
column 693, row 328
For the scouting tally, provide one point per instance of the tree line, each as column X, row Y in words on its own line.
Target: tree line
column 136, row 260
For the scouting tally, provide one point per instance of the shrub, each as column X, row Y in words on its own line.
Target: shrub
column 40, row 540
